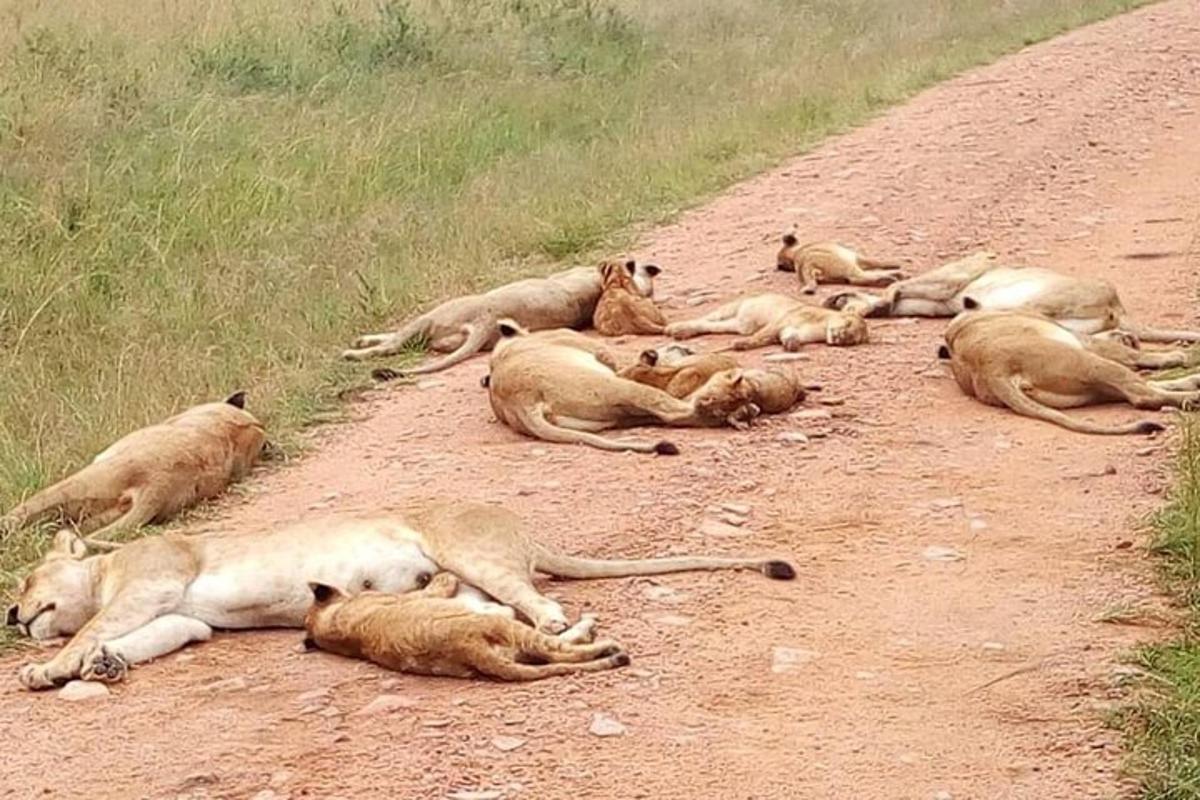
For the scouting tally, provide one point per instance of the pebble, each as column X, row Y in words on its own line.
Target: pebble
column 267, row 794
column 385, row 704
column 943, row 795
column 430, row 384
column 811, row 413
column 790, row 659
column 82, row 690
column 785, row 357
column 937, row 553
column 733, row 519
column 993, row 646
column 603, row 725
column 944, row 503
column 661, row 593
column 436, row 723
column 538, row 451
column 227, row 685
column 714, row 527
column 792, row 437
column 741, row 509
column 506, row 744
column 315, row 696
column 831, row 401
column 484, row 794
column 864, row 675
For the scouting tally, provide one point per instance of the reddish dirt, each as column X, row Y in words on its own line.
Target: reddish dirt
column 981, row 678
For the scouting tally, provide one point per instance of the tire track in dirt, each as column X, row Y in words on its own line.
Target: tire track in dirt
column 1075, row 153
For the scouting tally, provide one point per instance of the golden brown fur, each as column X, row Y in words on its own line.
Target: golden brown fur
column 829, row 262
column 153, row 473
column 677, row 377
column 766, row 319
column 428, row 632
column 554, row 387
column 1034, row 366
column 979, row 282
column 157, row 594
column 622, row 309
column 465, row 326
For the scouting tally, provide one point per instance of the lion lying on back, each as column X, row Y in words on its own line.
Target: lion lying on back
column 430, row 632
column 152, row 474
column 157, row 594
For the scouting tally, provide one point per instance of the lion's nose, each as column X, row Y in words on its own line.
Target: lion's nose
column 11, row 617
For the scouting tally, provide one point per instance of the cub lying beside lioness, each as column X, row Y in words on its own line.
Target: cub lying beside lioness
column 157, row 594
column 467, row 325
column 430, row 632
column 561, row 386
column 767, row 319
column 1034, row 366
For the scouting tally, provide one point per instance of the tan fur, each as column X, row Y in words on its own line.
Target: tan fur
column 622, row 309
column 1034, row 366
column 678, row 377
column 465, row 326
column 159, row 593
column 829, row 262
column 428, row 632
column 153, row 473
column 766, row 319
column 979, row 282
column 554, row 387
column 769, row 391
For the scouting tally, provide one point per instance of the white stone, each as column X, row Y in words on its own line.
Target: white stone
column 603, row 725
column 938, row 553
column 386, row 704
column 507, row 744
column 790, row 659
column 82, row 690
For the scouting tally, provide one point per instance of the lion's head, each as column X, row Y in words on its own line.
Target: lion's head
column 630, row 275
column 58, row 597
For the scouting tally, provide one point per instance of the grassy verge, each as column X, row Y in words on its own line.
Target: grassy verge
column 203, row 196
column 1163, row 727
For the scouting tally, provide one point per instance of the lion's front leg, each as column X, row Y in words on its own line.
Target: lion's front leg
column 134, row 607
column 110, row 661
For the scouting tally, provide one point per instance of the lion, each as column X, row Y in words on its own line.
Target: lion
column 765, row 319
column 152, row 474
column 159, row 593
column 467, row 325
column 978, row 282
column 829, row 262
column 561, row 386
column 1035, row 366
column 622, row 308
column 429, row 632
column 770, row 391
column 677, row 373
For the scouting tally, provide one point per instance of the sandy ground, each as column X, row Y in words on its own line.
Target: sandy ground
column 879, row 673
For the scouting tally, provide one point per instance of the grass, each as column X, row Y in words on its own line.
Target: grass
column 1163, row 724
column 202, row 196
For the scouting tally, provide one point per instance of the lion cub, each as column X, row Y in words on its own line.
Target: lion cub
column 622, row 309
column 427, row 632
column 153, row 473
column 765, row 319
column 677, row 373
column 828, row 262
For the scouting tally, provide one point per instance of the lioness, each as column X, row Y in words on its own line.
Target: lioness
column 764, row 319
column 465, row 326
column 153, row 473
column 157, row 594
column 552, row 385
column 829, row 262
column 428, row 632
column 622, row 308
column 1035, row 366
column 979, row 283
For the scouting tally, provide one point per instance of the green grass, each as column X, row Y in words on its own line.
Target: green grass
column 1163, row 724
column 202, row 196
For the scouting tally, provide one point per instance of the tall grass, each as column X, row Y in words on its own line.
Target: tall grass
column 203, row 195
column 1163, row 726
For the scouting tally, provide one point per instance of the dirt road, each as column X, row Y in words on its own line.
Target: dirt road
column 881, row 672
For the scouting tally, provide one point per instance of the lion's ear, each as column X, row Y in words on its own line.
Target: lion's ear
column 631, row 267
column 943, row 352
column 653, row 270
column 237, row 400
column 68, row 545
column 323, row 593
column 648, row 358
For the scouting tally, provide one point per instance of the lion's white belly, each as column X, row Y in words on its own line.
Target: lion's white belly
column 272, row 589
